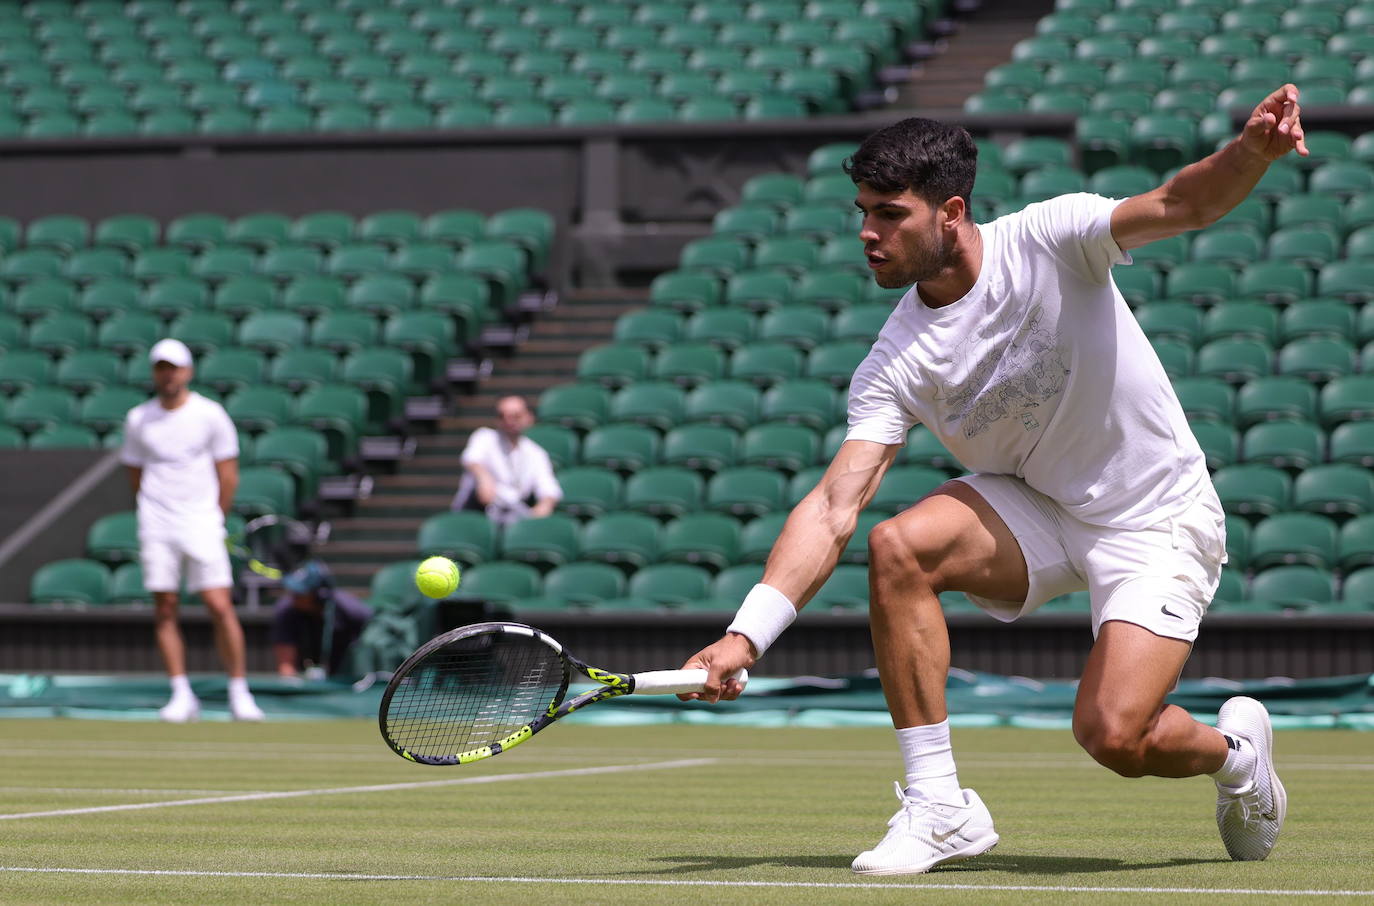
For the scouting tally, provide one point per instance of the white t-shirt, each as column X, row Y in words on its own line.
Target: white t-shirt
column 519, row 470
column 1039, row 371
column 177, row 449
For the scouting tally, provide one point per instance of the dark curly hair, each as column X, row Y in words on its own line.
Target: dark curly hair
column 934, row 160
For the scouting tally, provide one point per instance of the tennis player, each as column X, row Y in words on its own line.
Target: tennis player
column 181, row 451
column 1017, row 350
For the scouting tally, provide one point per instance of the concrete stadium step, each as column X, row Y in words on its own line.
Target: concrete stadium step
column 379, row 528
column 367, row 552
column 983, row 41
column 422, row 505
column 406, row 482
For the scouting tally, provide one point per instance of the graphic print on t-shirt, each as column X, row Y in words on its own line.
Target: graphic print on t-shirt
column 1029, row 371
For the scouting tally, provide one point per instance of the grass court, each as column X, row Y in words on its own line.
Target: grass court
column 324, row 813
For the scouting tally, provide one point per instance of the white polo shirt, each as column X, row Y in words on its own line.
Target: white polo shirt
column 178, row 494
column 520, row 470
column 1039, row 371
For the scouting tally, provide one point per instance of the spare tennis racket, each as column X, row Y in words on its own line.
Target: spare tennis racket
column 481, row 690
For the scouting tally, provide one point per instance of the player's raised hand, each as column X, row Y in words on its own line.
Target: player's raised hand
column 722, row 659
column 1274, row 128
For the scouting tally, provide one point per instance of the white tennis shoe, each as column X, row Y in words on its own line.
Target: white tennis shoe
column 180, row 710
column 245, row 708
column 924, row 834
column 1251, row 816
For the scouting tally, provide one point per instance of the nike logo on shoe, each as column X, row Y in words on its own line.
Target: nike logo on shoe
column 943, row 836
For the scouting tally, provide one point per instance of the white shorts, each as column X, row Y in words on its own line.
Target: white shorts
column 1162, row 578
column 203, row 562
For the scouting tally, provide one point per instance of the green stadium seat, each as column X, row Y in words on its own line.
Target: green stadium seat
column 498, row 581
column 1235, row 360
column 623, row 448
column 589, row 492
column 630, row 539
column 562, row 444
column 579, row 406
column 1339, row 489
column 338, row 411
column 702, row 447
column 1355, row 546
column 300, row 452
column 71, row 581
column 766, row 364
column 126, row 585
column 64, row 437
column 262, row 231
column 273, row 332
column 672, row 584
column 745, row 492
column 758, row 290
column 835, row 362
column 689, row 364
column 545, row 543
column 262, row 491
column 386, row 376
column 1220, row 443
column 1293, row 587
column 232, row 369
column 664, row 491
column 807, row 402
column 1271, row 398
column 60, row 333
column 1353, row 442
column 651, row 328
column 1284, row 444
column 1317, row 358
column 1171, row 321
column 711, row 540
column 1327, row 318
column 62, row 232
column 1176, row 356
column 113, row 538
column 344, row 332
column 846, row 589
column 87, row 370
column 1229, row 247
column 685, row 290
column 1293, row 538
column 727, row 328
column 734, row 404
column 259, row 409
column 297, row 370
column 1347, row 398
column 584, row 583
column 22, row 369
column 44, row 296
column 1349, row 280
column 613, row 365
column 1357, row 591
column 657, row 404
column 1035, row 152
column 427, row 337
column 1274, row 282
column 1200, row 283
column 779, row 446
column 40, row 407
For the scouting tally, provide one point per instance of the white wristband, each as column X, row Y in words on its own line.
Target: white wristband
column 765, row 613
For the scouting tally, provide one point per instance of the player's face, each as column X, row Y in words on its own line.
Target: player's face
column 903, row 237
column 170, row 380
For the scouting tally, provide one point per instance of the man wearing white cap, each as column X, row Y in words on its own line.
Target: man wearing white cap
column 182, row 452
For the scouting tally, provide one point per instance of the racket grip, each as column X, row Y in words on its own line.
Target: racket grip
column 674, row 682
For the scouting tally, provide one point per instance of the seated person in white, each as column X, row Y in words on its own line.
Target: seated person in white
column 505, row 473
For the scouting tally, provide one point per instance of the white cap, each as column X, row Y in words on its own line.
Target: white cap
column 169, row 350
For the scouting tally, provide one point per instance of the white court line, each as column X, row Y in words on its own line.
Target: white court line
column 631, row 882
column 377, row 788
column 104, row 789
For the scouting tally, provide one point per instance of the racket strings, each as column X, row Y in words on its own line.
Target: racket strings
column 474, row 692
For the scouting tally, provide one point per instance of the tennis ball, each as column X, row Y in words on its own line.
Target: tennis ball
column 437, row 577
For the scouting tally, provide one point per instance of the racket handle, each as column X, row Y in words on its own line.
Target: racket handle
column 674, row 682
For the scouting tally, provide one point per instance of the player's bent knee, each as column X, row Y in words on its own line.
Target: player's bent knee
column 894, row 548
column 1113, row 744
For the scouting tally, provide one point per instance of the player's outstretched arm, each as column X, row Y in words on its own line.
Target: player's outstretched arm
column 1203, row 192
column 802, row 558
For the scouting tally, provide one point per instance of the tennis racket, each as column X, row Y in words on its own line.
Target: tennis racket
column 272, row 546
column 481, row 690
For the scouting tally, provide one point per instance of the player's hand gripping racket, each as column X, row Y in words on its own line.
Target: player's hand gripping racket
column 480, row 690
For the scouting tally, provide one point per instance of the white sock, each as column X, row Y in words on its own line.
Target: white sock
column 238, row 688
column 181, row 687
column 1239, row 765
column 929, row 760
